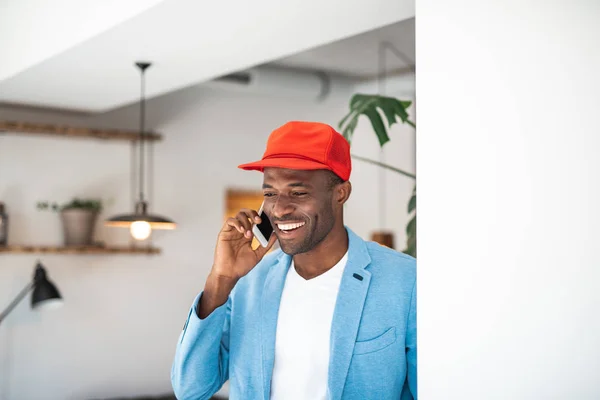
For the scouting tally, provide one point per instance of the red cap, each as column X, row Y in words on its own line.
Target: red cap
column 306, row 146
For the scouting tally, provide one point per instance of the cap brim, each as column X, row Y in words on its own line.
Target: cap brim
column 287, row 163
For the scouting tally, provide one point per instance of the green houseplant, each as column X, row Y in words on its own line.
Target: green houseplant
column 78, row 219
column 393, row 111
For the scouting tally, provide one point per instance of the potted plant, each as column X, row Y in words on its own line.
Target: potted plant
column 78, row 219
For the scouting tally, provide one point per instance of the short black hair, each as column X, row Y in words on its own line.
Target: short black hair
column 333, row 180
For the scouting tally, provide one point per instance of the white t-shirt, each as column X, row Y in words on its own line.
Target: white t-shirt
column 303, row 332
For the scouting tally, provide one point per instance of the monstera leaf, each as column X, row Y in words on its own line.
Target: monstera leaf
column 394, row 110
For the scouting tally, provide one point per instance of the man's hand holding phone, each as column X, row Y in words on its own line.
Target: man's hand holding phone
column 234, row 258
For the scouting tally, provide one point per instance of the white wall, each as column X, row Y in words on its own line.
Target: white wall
column 509, row 188
column 116, row 334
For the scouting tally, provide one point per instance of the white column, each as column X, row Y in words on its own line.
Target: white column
column 508, row 166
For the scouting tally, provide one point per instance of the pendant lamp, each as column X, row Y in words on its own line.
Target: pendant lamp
column 141, row 223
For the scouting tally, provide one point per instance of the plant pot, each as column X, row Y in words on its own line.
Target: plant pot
column 383, row 238
column 78, row 226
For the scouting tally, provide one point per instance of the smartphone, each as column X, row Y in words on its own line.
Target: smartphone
column 264, row 230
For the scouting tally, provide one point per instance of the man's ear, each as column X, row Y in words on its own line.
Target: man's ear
column 342, row 192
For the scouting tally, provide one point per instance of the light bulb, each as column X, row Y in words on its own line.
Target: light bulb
column 140, row 230
column 50, row 304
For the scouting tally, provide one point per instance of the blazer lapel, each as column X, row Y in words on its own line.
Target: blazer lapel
column 347, row 314
column 271, row 297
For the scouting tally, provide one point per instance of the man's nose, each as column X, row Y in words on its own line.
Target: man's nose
column 282, row 207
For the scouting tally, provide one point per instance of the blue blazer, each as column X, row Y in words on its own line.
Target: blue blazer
column 373, row 335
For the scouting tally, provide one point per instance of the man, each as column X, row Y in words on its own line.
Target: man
column 328, row 316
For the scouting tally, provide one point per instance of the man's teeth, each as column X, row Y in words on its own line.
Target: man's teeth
column 287, row 227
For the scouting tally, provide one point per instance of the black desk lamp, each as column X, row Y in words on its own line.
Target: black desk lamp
column 45, row 294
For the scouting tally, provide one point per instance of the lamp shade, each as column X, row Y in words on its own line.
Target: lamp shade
column 140, row 214
column 155, row 221
column 45, row 294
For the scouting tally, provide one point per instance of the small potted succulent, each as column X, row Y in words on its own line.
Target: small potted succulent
column 78, row 219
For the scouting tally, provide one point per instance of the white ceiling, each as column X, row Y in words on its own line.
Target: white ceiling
column 189, row 42
column 358, row 56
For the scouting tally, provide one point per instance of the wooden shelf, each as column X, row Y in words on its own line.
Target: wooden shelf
column 14, row 249
column 26, row 128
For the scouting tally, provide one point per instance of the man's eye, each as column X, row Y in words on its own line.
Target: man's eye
column 269, row 194
column 299, row 193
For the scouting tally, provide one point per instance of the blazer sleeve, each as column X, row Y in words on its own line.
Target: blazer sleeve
column 201, row 364
column 409, row 391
